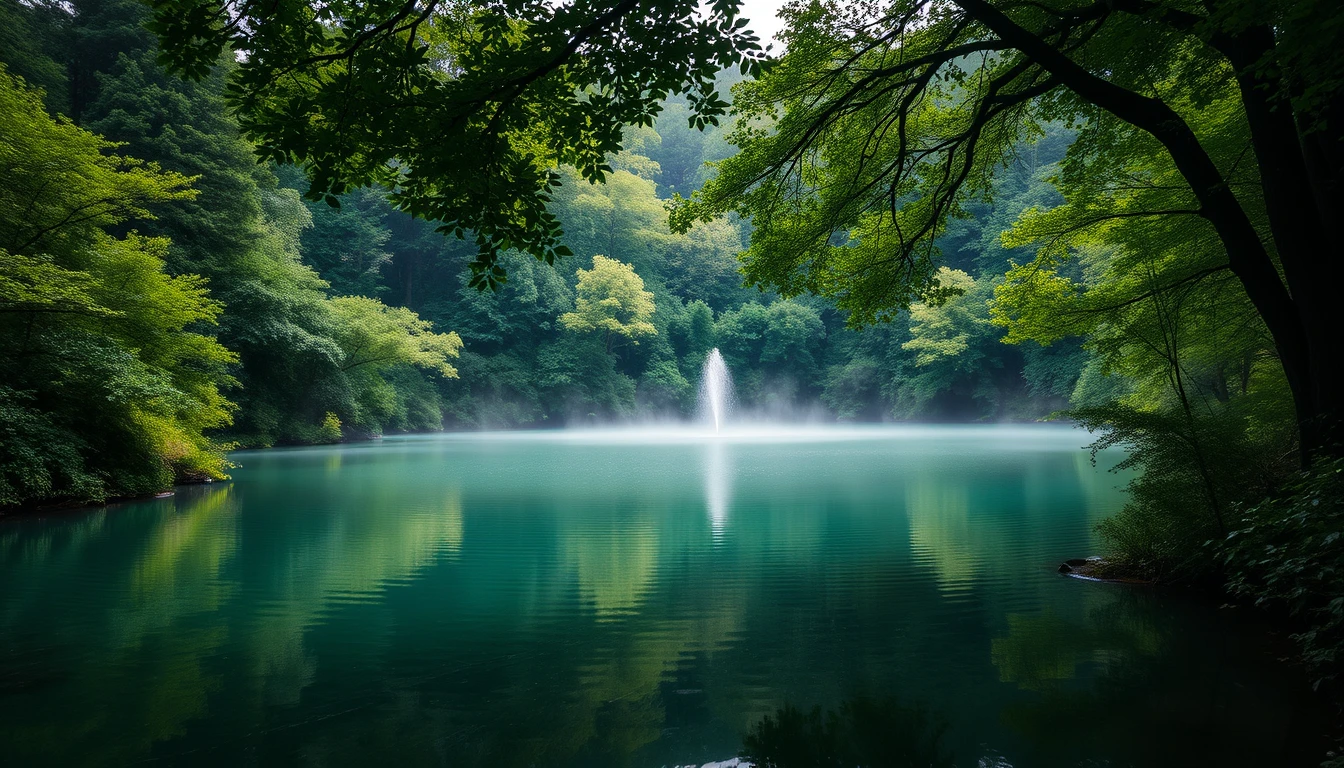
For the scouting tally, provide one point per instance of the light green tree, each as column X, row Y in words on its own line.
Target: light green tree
column 611, row 298
column 378, row 336
column 942, row 330
column 107, row 388
column 622, row 216
column 1205, row 410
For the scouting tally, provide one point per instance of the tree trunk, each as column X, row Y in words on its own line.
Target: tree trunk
column 1297, row 206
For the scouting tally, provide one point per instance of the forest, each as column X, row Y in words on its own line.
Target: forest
column 417, row 219
column 305, row 322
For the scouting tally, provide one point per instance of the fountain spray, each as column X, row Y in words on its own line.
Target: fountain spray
column 716, row 390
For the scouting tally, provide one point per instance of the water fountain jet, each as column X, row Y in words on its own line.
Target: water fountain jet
column 716, row 390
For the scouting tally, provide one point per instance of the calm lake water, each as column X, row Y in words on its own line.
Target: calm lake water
column 610, row 599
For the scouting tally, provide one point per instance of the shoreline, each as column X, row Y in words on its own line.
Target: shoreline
column 66, row 507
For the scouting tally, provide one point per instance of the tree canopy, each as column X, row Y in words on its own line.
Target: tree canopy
column 489, row 98
column 373, row 334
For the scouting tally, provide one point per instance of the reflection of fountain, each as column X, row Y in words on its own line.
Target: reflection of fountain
column 716, row 390
column 716, row 489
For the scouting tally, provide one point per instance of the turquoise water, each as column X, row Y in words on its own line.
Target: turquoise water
column 617, row 599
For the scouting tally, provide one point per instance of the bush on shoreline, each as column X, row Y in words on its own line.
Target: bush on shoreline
column 1287, row 555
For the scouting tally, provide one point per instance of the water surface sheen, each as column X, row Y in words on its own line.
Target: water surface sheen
column 605, row 598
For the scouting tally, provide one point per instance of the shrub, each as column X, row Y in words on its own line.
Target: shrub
column 1287, row 553
column 1193, row 470
column 330, row 431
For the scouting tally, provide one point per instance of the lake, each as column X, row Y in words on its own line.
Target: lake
column 621, row 598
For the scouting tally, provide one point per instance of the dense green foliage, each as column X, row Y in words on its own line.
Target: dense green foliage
column 1286, row 554
column 156, row 274
column 530, row 358
column 507, row 92
column 105, row 388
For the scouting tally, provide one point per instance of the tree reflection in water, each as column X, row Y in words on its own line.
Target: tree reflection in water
column 1155, row 697
column 865, row 732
